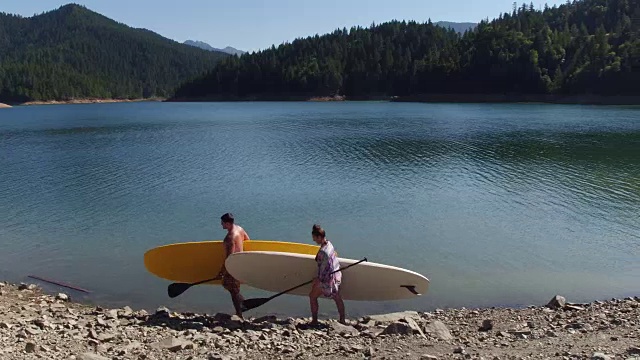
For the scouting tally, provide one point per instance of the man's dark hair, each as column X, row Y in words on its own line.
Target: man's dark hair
column 228, row 218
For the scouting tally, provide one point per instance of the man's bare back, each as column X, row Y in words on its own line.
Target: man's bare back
column 234, row 239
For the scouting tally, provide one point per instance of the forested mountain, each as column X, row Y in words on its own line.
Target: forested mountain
column 73, row 52
column 581, row 47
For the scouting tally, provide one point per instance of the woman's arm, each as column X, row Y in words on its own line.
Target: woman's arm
column 324, row 270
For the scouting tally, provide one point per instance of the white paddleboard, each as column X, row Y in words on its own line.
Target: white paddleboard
column 367, row 281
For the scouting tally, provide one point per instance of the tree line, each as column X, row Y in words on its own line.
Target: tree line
column 581, row 47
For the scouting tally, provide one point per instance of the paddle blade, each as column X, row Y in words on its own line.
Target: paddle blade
column 176, row 289
column 249, row 304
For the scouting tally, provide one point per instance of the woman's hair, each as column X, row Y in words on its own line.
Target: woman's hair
column 317, row 230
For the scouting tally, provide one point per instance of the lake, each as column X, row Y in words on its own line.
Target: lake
column 497, row 204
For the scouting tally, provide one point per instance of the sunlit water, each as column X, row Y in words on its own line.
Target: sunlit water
column 496, row 204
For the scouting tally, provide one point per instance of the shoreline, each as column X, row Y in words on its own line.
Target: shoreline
column 35, row 324
column 87, row 101
column 582, row 99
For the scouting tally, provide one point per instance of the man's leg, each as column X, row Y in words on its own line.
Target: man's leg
column 237, row 299
column 233, row 287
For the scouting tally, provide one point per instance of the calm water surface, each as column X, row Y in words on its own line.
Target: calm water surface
column 497, row 204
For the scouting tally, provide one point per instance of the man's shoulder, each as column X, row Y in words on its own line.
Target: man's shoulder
column 237, row 231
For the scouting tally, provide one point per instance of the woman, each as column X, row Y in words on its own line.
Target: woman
column 327, row 282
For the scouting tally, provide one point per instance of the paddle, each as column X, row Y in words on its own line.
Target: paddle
column 176, row 289
column 254, row 303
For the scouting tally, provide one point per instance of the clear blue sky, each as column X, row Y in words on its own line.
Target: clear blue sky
column 253, row 25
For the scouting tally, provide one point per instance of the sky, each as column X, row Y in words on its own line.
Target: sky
column 252, row 25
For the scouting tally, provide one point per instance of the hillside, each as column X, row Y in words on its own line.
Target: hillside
column 73, row 52
column 584, row 47
column 203, row 45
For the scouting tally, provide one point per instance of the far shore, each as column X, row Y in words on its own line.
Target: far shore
column 584, row 99
column 87, row 101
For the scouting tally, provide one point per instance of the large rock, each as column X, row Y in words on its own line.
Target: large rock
column 414, row 326
column 600, row 356
column 24, row 286
column 439, row 330
column 392, row 317
column 344, row 329
column 266, row 318
column 558, row 302
column 218, row 357
column 173, row 344
column 2, row 106
column 398, row 328
column 126, row 312
column 111, row 314
column 406, row 326
column 91, row 356
column 487, row 325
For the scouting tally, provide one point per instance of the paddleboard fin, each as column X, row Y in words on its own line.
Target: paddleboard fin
column 411, row 288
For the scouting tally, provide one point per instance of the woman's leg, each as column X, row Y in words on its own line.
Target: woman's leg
column 315, row 293
column 340, row 306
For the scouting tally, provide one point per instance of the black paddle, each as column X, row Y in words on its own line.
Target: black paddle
column 254, row 303
column 176, row 289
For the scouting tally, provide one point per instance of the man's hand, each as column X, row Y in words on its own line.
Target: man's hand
column 220, row 274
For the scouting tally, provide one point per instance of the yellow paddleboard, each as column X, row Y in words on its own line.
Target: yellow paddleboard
column 196, row 261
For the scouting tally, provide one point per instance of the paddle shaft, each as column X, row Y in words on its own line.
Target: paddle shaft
column 204, row 281
column 309, row 282
column 59, row 284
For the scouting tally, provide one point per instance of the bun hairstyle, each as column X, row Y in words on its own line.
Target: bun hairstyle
column 317, row 231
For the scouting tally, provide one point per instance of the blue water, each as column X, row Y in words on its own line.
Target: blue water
column 497, row 204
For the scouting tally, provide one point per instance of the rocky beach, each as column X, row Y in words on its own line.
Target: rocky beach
column 38, row 325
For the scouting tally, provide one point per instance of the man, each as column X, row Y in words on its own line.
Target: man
column 232, row 244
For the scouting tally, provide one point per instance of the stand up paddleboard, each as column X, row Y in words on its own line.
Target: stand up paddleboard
column 196, row 261
column 367, row 281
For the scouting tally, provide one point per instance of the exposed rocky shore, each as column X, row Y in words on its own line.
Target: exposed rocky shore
column 36, row 325
column 88, row 101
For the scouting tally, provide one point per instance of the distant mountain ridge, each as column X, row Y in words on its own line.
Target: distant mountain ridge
column 459, row 27
column 203, row 45
column 75, row 53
